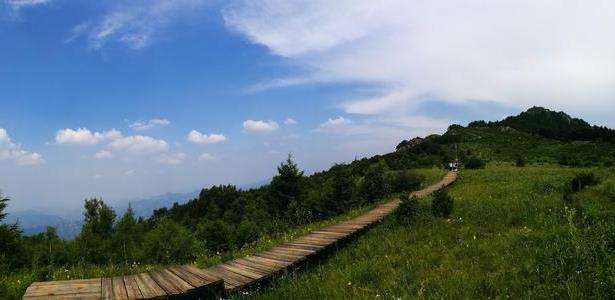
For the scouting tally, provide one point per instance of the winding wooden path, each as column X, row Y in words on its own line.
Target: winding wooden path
column 188, row 281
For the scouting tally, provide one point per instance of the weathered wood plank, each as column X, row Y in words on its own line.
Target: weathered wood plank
column 107, row 288
column 132, row 288
column 148, row 287
column 119, row 289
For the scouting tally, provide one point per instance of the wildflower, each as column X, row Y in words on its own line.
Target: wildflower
column 349, row 283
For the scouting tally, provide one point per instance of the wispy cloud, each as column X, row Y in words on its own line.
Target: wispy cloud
column 139, row 144
column 153, row 123
column 260, row 126
column 197, row 137
column 475, row 50
column 136, row 24
column 15, row 6
column 12, row 151
column 207, row 157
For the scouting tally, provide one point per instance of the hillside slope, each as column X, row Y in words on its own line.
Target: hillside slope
column 510, row 236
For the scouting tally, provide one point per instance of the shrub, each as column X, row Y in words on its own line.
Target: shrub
column 520, row 162
column 407, row 210
column 475, row 163
column 442, row 204
column 405, row 181
column 583, row 180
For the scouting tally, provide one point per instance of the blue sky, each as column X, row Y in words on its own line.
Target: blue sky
column 99, row 98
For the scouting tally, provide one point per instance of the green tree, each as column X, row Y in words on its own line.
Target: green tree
column 374, row 184
column 127, row 237
column 216, row 235
column 11, row 244
column 169, row 242
column 340, row 192
column 285, row 187
column 94, row 241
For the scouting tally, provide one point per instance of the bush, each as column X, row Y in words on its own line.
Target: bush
column 474, row 163
column 407, row 210
column 405, row 181
column 583, row 180
column 442, row 204
column 520, row 162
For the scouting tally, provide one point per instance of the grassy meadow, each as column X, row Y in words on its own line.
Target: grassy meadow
column 511, row 235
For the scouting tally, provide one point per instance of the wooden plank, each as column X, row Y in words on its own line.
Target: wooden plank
column 231, row 280
column 305, row 246
column 206, row 275
column 148, row 287
column 242, row 271
column 252, row 267
column 268, row 262
column 288, row 247
column 280, row 256
column 107, row 288
column 188, row 277
column 132, row 288
column 166, row 283
column 119, row 289
column 67, row 288
column 257, row 265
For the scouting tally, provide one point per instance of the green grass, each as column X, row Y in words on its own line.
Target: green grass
column 508, row 237
column 14, row 285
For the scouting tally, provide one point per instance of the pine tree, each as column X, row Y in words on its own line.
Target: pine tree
column 285, row 187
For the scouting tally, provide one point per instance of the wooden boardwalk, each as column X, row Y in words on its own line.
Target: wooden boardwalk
column 190, row 282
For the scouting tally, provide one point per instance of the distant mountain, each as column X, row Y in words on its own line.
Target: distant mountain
column 33, row 222
column 145, row 207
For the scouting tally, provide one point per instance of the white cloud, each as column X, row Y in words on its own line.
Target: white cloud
column 85, row 136
column 130, row 172
column 172, row 159
column 290, row 121
column 17, row 5
column 139, row 144
column 337, row 122
column 515, row 52
column 12, row 151
column 103, row 154
column 153, row 123
column 207, row 157
column 260, row 126
column 135, row 25
column 203, row 138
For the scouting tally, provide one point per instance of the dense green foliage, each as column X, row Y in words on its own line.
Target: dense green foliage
column 442, row 204
column 474, row 163
column 407, row 210
column 510, row 236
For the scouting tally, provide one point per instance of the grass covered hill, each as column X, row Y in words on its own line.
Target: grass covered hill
column 537, row 135
column 511, row 235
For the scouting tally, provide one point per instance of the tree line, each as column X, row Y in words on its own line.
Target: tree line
column 221, row 218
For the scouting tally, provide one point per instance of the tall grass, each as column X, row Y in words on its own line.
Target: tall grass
column 510, row 236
